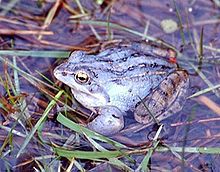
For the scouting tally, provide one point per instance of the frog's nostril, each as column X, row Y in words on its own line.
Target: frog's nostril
column 64, row 73
column 115, row 116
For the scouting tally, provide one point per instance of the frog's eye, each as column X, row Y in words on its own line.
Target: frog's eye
column 82, row 77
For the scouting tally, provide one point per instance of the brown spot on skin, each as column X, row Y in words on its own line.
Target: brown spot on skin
column 172, row 53
column 158, row 98
column 161, row 102
column 172, row 56
column 167, row 87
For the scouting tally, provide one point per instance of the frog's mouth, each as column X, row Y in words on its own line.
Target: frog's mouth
column 88, row 97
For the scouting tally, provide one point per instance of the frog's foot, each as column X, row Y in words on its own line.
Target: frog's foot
column 109, row 121
column 165, row 100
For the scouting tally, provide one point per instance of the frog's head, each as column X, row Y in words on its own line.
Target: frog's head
column 80, row 74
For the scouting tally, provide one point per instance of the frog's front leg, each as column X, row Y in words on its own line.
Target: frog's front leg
column 167, row 99
column 109, row 121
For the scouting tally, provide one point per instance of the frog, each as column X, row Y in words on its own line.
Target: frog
column 125, row 77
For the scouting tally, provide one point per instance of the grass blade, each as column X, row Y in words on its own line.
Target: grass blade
column 83, row 130
column 87, row 154
column 43, row 54
column 39, row 122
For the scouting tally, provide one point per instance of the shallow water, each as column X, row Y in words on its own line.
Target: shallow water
column 195, row 126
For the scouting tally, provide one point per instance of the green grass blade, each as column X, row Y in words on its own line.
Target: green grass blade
column 26, row 75
column 144, row 164
column 180, row 22
column 200, row 150
column 201, row 44
column 38, row 124
column 52, row 54
column 116, row 26
column 204, row 91
column 113, row 161
column 83, row 130
column 8, row 7
column 204, row 78
column 87, row 154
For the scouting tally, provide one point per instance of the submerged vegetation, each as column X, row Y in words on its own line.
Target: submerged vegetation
column 42, row 131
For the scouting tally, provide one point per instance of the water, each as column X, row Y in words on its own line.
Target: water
column 64, row 34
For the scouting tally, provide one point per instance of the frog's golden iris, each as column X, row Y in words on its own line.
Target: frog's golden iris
column 81, row 77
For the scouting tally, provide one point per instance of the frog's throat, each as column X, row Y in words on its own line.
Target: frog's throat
column 90, row 100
